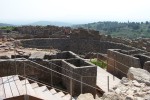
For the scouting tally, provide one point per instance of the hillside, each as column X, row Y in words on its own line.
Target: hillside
column 117, row 29
column 4, row 24
column 45, row 23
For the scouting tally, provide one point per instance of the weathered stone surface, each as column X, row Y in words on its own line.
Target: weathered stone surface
column 118, row 91
column 146, row 89
column 79, row 46
column 129, row 90
column 124, row 80
column 139, row 74
column 119, row 62
column 4, row 57
column 136, row 83
column 86, row 96
column 37, row 55
column 111, row 96
column 129, row 97
column 138, row 98
column 147, row 97
column 147, row 66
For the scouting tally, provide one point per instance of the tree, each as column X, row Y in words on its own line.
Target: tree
column 146, row 22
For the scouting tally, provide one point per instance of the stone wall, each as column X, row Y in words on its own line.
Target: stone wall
column 99, row 56
column 147, row 66
column 120, row 61
column 62, row 55
column 79, row 46
column 84, row 72
column 29, row 32
column 143, row 58
column 23, row 67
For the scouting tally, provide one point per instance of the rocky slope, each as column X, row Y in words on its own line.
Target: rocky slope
column 135, row 87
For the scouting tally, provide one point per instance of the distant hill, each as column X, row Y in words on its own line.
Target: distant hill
column 4, row 24
column 120, row 29
column 45, row 23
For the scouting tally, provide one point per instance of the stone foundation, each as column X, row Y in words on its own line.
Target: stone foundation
column 79, row 46
column 119, row 61
column 73, row 68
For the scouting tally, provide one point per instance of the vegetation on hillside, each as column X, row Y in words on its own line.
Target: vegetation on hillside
column 120, row 29
column 7, row 28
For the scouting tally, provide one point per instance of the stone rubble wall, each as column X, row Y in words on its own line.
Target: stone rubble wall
column 79, row 46
column 147, row 66
column 135, row 87
column 119, row 63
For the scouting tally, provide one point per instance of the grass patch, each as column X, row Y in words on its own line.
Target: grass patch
column 99, row 63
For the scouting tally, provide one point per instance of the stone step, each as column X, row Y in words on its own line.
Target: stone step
column 8, row 91
column 67, row 97
column 28, row 88
column 19, row 85
column 50, row 95
column 34, row 85
column 2, row 91
column 13, row 86
column 40, row 92
column 53, row 91
column 59, row 94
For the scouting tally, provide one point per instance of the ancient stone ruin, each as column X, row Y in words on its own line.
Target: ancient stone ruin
column 119, row 61
column 51, row 60
column 73, row 68
column 135, row 87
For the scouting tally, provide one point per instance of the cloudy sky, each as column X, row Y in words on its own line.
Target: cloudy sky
column 74, row 11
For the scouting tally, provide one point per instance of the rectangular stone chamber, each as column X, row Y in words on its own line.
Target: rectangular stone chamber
column 82, row 72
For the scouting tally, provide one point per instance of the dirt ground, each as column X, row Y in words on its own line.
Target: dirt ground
column 8, row 49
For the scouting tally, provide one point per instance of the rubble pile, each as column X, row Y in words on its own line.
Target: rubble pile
column 135, row 87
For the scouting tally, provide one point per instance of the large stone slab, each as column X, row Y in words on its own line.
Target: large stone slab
column 86, row 96
column 37, row 55
column 139, row 74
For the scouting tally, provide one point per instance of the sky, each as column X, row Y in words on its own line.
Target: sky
column 74, row 11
